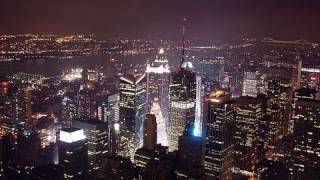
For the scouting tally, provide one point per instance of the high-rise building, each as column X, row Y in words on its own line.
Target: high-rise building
column 132, row 113
column 86, row 103
column 219, row 147
column 273, row 131
column 102, row 108
column 158, row 77
column 212, row 72
column 152, row 160
column 97, row 134
column 306, row 133
column 250, row 82
column 150, row 132
column 113, row 108
column 248, row 115
column 190, row 155
column 182, row 100
column 73, row 154
column 69, row 112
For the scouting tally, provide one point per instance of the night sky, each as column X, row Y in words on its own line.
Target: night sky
column 210, row 19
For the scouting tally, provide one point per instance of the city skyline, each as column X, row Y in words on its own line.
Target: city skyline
column 179, row 90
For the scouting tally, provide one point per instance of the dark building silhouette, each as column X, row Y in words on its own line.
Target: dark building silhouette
column 73, row 154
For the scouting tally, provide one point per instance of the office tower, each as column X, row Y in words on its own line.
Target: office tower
column 190, row 155
column 69, row 112
column 306, row 133
column 150, row 132
column 248, row 115
column 97, row 134
column 152, row 160
column 102, row 108
column 280, row 94
column 212, row 72
column 18, row 104
column 249, row 87
column 73, row 154
column 132, row 113
column 158, row 77
column 182, row 100
column 113, row 108
column 273, row 131
column 219, row 147
column 113, row 121
column 27, row 106
column 85, row 102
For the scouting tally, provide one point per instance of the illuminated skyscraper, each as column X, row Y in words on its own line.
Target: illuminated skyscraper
column 250, row 82
column 102, row 108
column 73, row 154
column 85, row 102
column 132, row 113
column 248, row 115
column 97, row 134
column 306, row 133
column 158, row 77
column 219, row 148
column 182, row 100
column 69, row 112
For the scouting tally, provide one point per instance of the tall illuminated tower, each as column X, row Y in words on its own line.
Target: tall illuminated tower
column 158, row 77
column 182, row 99
column 219, row 151
column 248, row 115
column 132, row 113
column 306, row 132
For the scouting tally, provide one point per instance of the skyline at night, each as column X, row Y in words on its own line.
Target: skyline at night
column 159, row 90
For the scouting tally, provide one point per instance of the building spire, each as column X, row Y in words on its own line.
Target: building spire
column 183, row 41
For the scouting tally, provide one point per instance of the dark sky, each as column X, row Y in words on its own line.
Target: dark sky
column 211, row 19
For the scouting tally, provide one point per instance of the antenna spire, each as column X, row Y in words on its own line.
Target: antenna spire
column 183, row 40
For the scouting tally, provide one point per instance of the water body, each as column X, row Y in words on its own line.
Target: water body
column 53, row 67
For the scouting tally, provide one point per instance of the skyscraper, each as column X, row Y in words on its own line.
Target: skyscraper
column 69, row 112
column 250, row 82
column 85, row 102
column 150, row 132
column 73, row 154
column 219, row 148
column 248, row 115
column 306, row 133
column 97, row 134
column 158, row 77
column 132, row 113
column 182, row 100
column 190, row 155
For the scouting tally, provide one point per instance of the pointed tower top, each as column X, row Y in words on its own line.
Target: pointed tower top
column 161, row 51
column 183, row 41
